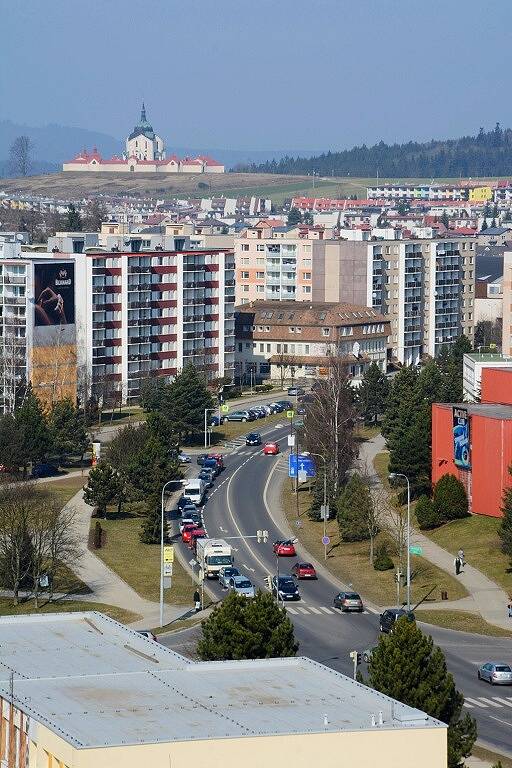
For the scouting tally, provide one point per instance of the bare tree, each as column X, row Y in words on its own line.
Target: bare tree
column 329, row 422
column 13, row 364
column 15, row 545
column 20, row 156
column 284, row 363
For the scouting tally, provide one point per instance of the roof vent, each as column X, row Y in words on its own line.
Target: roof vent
column 326, row 721
column 373, row 721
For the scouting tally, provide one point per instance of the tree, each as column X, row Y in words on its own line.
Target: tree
column 459, row 348
column 402, row 390
column 73, row 219
column 15, row 542
column 104, row 486
column 294, row 217
column 20, row 156
column 372, row 393
column 67, row 429
column 247, row 629
column 484, row 226
column 450, row 501
column 505, row 529
column 151, row 467
column 308, row 218
column 488, row 332
column 153, row 393
column 409, row 450
column 382, row 560
column 186, row 403
column 126, row 446
column 426, row 514
column 408, row 667
column 95, row 213
column 151, row 528
column 13, row 453
column 31, row 419
column 354, row 508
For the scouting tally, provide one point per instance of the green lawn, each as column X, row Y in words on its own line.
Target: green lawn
column 139, row 564
column 66, row 488
column 7, row 608
column 462, row 621
column 350, row 561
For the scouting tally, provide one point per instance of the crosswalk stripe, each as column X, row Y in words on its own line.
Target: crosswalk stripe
column 314, row 610
column 326, row 610
column 302, row 610
column 475, row 702
column 468, row 706
column 507, row 702
column 291, row 610
column 490, row 702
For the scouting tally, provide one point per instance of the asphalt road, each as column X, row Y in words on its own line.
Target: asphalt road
column 236, row 508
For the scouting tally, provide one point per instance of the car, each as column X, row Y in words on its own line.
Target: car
column 267, row 409
column 271, row 449
column 304, row 571
column 496, row 673
column 186, row 532
column 208, row 475
column 225, row 573
column 276, row 408
column 211, row 463
column 241, row 585
column 219, row 458
column 296, row 391
column 240, row 416
column 287, row 588
column 195, row 534
column 307, row 398
column 284, row 548
column 147, row 634
column 368, row 653
column 391, row 615
column 348, row 601
column 44, row 470
column 200, row 458
column 194, row 522
column 259, row 411
column 286, row 405
column 184, row 458
column 182, row 503
column 215, row 421
column 253, row 438
column 189, row 510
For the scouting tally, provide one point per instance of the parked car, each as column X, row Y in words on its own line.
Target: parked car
column 271, row 449
column 304, row 571
column 287, row 588
column 215, row 421
column 286, row 405
column 184, row 458
column 348, row 601
column 284, row 548
column 368, row 653
column 307, row 398
column 276, row 408
column 44, row 470
column 253, row 438
column 147, row 634
column 208, row 475
column 496, row 673
column 225, row 574
column 296, row 391
column 391, row 615
column 240, row 416
column 241, row 585
column 186, row 532
column 259, row 411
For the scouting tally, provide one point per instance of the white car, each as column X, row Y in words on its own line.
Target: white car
column 242, row 586
column 184, row 458
column 226, row 573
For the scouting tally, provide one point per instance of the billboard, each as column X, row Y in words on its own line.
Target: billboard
column 461, row 438
column 54, row 303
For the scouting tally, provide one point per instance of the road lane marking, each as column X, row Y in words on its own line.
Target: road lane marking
column 314, row 610
column 490, row 702
column 291, row 610
column 475, row 702
column 302, row 610
column 498, row 720
column 326, row 610
column 507, row 702
column 230, row 512
column 468, row 706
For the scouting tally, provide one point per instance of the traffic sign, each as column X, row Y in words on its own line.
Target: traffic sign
column 290, row 414
column 415, row 550
column 291, row 441
column 301, row 463
column 326, row 541
column 324, row 512
column 169, row 554
column 167, row 569
column 224, row 409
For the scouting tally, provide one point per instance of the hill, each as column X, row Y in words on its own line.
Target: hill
column 486, row 154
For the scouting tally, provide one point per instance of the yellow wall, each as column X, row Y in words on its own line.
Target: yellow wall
column 480, row 194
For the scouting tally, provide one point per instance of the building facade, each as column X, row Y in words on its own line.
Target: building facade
column 506, row 345
column 292, row 339
column 473, row 365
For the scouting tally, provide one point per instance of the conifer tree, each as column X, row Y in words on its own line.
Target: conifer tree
column 408, row 667
column 185, row 405
column 104, row 486
column 402, row 390
column 426, row 514
column 31, row 419
column 67, row 429
column 150, row 530
column 450, row 501
column 505, row 529
column 372, row 393
column 355, row 505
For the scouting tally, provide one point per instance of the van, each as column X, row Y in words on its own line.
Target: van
column 195, row 490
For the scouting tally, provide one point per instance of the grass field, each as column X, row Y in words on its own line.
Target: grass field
column 139, row 564
column 462, row 621
column 66, row 488
column 7, row 608
column 350, row 561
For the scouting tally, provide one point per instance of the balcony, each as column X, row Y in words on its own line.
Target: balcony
column 17, row 301
column 14, row 279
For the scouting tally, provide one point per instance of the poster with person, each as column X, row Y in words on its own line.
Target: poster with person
column 461, row 443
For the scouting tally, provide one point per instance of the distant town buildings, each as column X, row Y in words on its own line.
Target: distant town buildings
column 145, row 153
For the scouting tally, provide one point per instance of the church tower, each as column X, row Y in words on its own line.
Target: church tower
column 143, row 143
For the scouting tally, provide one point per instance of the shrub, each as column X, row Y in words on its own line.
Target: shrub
column 427, row 514
column 450, row 501
column 382, row 561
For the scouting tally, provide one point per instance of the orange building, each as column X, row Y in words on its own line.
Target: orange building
column 473, row 441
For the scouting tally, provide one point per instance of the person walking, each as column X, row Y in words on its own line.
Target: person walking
column 460, row 555
column 457, row 565
column 510, row 608
column 197, row 601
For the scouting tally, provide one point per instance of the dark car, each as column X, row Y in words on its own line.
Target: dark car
column 211, row 463
column 208, row 475
column 286, row 405
column 215, row 421
column 201, row 457
column 287, row 589
column 183, row 501
column 348, row 601
column 44, row 470
column 240, row 416
column 253, row 438
column 276, row 407
column 391, row 615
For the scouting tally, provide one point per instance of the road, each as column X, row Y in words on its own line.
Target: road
column 236, row 508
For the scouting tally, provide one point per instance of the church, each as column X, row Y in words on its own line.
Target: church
column 145, row 153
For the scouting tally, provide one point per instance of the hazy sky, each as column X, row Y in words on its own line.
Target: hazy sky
column 260, row 74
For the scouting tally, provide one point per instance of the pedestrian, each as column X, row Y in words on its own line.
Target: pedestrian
column 457, row 565
column 197, row 601
column 460, row 555
column 510, row 609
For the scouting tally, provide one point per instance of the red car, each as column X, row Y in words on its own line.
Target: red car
column 271, row 449
column 197, row 533
column 219, row 458
column 304, row 571
column 284, row 549
column 186, row 533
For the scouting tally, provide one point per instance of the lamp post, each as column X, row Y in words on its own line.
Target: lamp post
column 206, row 412
column 169, row 482
column 394, row 476
column 325, row 499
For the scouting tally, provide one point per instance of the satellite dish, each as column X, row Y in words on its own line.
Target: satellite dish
column 356, row 348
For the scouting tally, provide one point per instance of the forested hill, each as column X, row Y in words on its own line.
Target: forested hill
column 487, row 154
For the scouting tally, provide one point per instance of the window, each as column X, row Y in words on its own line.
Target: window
column 326, row 331
column 260, row 247
column 306, row 349
column 260, row 275
column 306, row 289
column 262, row 347
column 240, row 347
column 245, row 247
column 298, row 329
column 291, row 328
column 245, row 288
column 268, row 347
column 244, row 260
column 260, row 262
column 307, row 275
column 260, row 288
column 245, row 275
column 306, row 262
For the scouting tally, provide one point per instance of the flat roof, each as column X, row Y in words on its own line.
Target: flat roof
column 491, row 410
column 489, row 357
column 126, row 690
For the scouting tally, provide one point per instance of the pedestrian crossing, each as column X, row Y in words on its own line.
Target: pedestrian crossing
column 310, row 610
column 485, row 702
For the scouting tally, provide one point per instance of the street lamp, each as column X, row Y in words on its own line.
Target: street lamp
column 169, row 482
column 206, row 412
column 324, row 506
column 394, row 476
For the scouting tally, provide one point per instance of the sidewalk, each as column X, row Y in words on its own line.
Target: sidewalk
column 486, row 597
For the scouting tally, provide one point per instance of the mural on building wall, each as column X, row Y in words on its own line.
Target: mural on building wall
column 461, row 438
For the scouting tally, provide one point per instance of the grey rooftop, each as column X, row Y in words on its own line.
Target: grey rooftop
column 150, row 695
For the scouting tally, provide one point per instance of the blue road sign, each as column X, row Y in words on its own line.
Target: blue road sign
column 301, row 463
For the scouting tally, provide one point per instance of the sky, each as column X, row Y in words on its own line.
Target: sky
column 260, row 74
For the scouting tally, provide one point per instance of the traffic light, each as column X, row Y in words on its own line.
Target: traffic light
column 359, row 658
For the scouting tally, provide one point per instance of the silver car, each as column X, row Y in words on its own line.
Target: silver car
column 496, row 673
column 226, row 573
column 242, row 586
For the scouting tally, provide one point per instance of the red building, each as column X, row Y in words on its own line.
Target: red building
column 473, row 441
